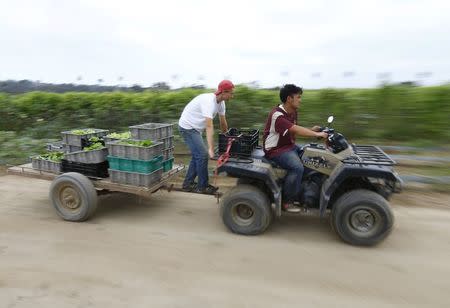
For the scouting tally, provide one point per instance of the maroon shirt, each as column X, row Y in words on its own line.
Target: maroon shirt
column 276, row 138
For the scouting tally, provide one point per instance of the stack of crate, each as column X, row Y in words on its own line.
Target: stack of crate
column 91, row 163
column 134, row 164
column 157, row 132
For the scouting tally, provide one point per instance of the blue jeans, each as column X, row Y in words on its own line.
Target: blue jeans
column 199, row 162
column 290, row 161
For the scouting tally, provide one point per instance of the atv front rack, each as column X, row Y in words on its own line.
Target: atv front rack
column 369, row 154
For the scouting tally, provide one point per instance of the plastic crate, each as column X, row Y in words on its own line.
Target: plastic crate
column 99, row 170
column 67, row 148
column 88, row 157
column 246, row 141
column 168, row 142
column 134, row 178
column 45, row 165
column 56, row 146
column 151, row 131
column 168, row 153
column 133, row 151
column 81, row 140
column 108, row 139
column 167, row 164
column 135, row 165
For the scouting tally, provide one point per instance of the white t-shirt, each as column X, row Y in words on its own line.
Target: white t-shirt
column 200, row 107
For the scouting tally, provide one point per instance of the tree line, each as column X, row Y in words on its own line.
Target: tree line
column 391, row 113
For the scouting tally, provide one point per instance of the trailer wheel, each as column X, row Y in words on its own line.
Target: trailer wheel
column 362, row 217
column 246, row 210
column 74, row 196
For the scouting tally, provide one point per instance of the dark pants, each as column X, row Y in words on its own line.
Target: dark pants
column 199, row 162
column 290, row 161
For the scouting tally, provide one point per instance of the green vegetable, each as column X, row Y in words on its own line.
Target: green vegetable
column 83, row 131
column 146, row 143
column 96, row 143
column 140, row 143
column 125, row 135
column 94, row 139
column 51, row 156
column 94, row 146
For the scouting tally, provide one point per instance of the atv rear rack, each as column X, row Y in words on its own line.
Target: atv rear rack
column 369, row 154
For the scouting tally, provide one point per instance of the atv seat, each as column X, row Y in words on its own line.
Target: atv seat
column 259, row 154
column 271, row 162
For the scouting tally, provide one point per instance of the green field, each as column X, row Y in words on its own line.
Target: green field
column 389, row 115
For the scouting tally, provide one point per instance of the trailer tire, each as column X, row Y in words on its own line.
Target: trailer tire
column 73, row 196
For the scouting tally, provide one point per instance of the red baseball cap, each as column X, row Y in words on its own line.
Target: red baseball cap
column 224, row 85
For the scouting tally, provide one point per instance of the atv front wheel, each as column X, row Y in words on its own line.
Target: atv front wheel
column 246, row 210
column 362, row 217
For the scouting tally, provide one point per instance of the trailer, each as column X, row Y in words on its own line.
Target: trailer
column 75, row 196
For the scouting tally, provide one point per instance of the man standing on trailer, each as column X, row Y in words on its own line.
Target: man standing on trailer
column 197, row 116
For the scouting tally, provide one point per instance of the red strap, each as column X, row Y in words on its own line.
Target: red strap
column 223, row 158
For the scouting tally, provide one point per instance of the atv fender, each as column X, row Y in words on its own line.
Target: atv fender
column 341, row 173
column 257, row 170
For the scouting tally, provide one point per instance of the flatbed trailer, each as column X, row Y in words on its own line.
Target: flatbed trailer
column 75, row 195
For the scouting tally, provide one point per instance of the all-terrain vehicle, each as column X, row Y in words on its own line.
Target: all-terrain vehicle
column 353, row 182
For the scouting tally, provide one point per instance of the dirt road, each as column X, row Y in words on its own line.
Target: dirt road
column 172, row 250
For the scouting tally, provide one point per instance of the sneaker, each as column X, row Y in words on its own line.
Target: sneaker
column 190, row 187
column 215, row 188
column 208, row 190
column 291, row 208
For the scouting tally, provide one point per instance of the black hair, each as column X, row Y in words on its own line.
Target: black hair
column 288, row 90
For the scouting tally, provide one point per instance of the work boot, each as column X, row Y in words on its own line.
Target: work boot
column 290, row 207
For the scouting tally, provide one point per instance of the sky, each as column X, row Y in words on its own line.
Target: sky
column 314, row 43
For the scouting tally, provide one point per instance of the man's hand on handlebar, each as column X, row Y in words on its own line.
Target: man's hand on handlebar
column 322, row 135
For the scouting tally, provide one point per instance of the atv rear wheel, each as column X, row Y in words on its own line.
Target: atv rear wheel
column 362, row 217
column 246, row 210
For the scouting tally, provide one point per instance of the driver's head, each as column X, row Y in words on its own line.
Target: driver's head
column 290, row 91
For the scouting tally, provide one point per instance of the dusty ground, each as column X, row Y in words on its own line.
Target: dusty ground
column 172, row 250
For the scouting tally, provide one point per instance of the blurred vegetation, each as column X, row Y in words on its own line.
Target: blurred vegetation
column 25, row 86
column 391, row 114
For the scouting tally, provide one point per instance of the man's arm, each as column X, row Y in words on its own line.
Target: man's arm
column 210, row 136
column 306, row 132
column 223, row 123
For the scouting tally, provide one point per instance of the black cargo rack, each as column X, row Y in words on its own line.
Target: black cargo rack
column 369, row 154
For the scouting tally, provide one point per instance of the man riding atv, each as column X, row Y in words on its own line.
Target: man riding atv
column 350, row 182
column 279, row 143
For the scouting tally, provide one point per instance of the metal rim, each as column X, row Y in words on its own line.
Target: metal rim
column 69, row 198
column 243, row 214
column 364, row 221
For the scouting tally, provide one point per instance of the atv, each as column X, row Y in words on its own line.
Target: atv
column 348, row 183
